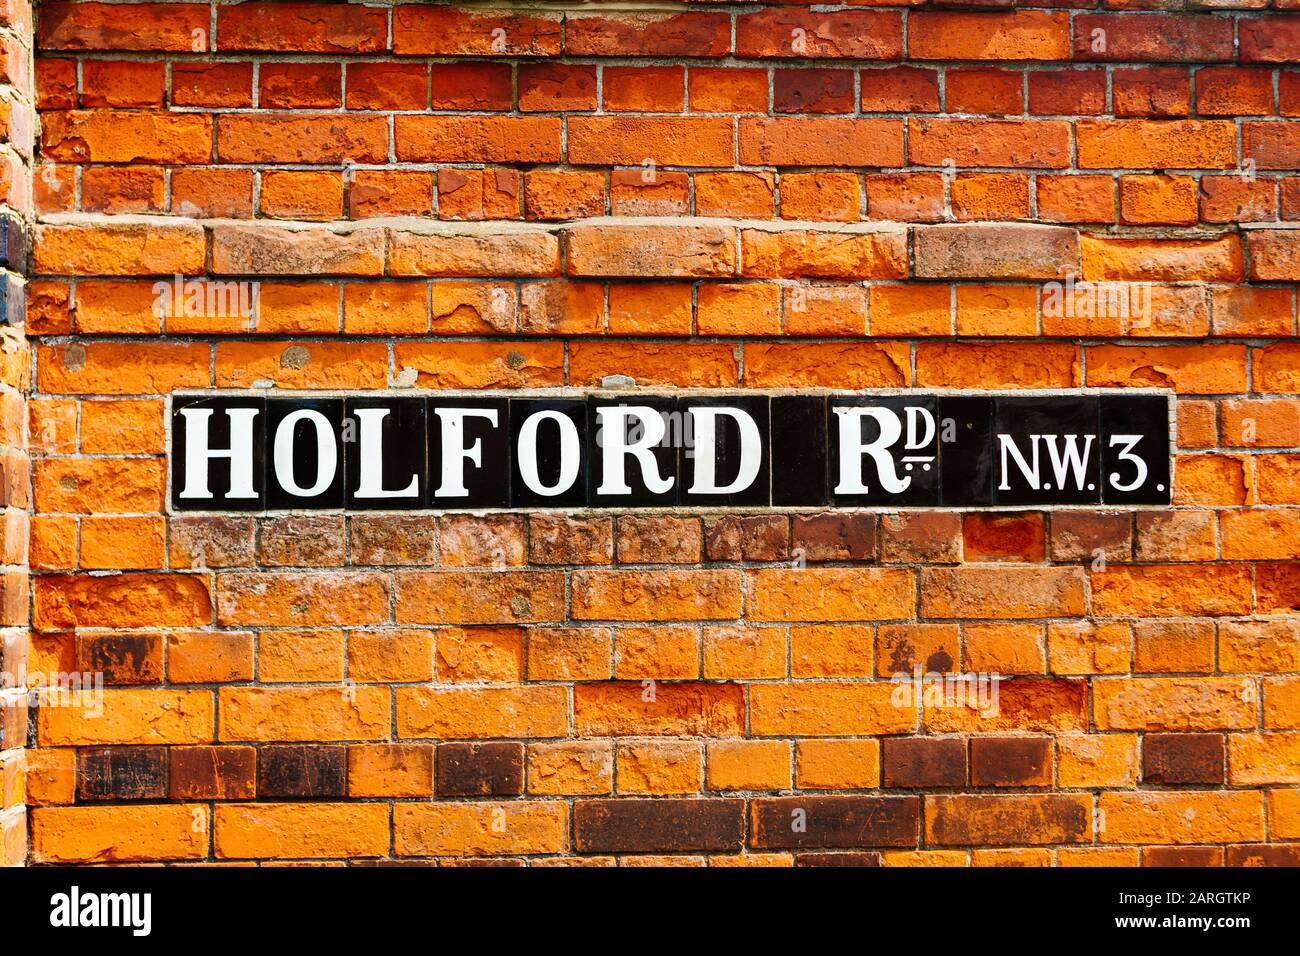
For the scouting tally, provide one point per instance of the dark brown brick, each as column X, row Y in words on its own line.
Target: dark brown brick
column 930, row 537
column 841, row 821
column 658, row 539
column 1081, row 535
column 1011, row 761
column 559, row 539
column 812, row 91
column 394, row 864
column 210, row 542
column 835, row 537
column 924, row 762
column 480, row 864
column 1007, row 819
column 13, row 723
column 122, row 773
column 1004, row 537
column 14, row 598
column 1182, row 856
column 495, row 540
column 616, row 826
column 393, row 539
column 14, row 484
column 480, row 770
column 13, row 659
column 837, row 859
column 1182, row 758
column 122, row 658
column 301, row 771
column 301, row 541
column 1258, row 854
column 747, row 538
column 213, row 773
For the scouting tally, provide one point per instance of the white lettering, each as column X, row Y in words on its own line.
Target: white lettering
column 704, row 421
column 371, row 455
column 198, row 454
column 852, row 449
column 570, row 453
column 612, row 422
column 326, row 453
column 454, row 451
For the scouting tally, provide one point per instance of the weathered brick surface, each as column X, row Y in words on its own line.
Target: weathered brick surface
column 129, row 774
column 739, row 195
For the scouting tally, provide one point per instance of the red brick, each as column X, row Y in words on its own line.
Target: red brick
column 301, row 27
column 1022, row 35
column 447, row 31
column 98, row 26
column 1152, row 37
column 683, row 34
column 855, row 34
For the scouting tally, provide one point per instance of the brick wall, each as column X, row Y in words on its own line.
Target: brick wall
column 16, row 123
column 704, row 195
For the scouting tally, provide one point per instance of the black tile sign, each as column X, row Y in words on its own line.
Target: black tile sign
column 735, row 450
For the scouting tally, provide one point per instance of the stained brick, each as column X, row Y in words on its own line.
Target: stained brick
column 1182, row 758
column 306, row 771
column 122, row 773
column 479, row 770
column 672, row 825
column 927, row 762
column 846, row 822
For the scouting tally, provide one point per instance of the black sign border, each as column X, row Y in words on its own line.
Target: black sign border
column 941, row 396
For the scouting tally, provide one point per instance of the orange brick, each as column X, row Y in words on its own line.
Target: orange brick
column 659, row 766
column 1023, row 35
column 122, row 542
column 834, row 764
column 474, row 654
column 829, row 709
column 743, row 309
column 119, row 834
column 136, row 600
column 300, row 830
column 302, row 598
column 662, row 709
column 303, row 713
column 1182, row 817
column 209, row 657
column 131, row 717
column 827, row 365
column 481, row 712
column 302, row 195
column 744, row 653
column 300, row 656
column 390, row 770
column 663, row 595
column 820, row 196
column 1173, row 703
column 118, row 249
column 1172, row 590
column 390, row 655
column 580, row 768
column 749, row 765
column 641, row 140
column 122, row 427
column 467, row 829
